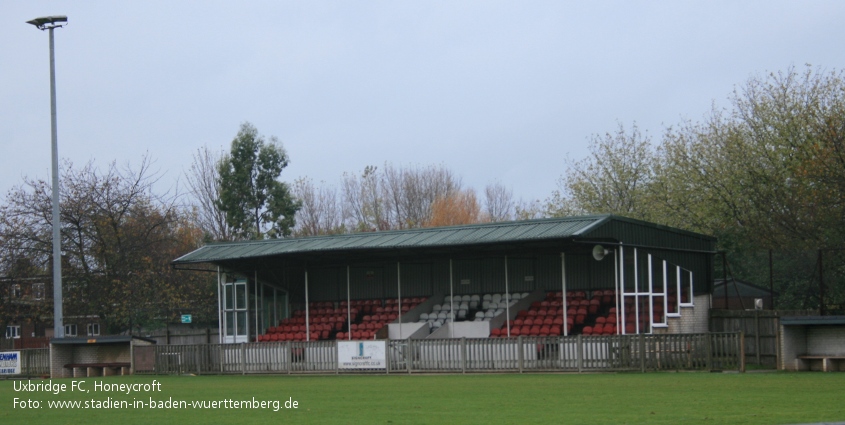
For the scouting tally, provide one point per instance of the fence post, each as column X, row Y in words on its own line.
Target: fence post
column 642, row 353
column 243, row 358
column 409, row 355
column 288, row 356
column 778, row 353
column 741, row 351
column 579, row 355
column 387, row 355
column 709, row 347
column 463, row 355
column 520, row 354
column 757, row 334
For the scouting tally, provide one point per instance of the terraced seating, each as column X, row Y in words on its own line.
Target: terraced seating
column 329, row 320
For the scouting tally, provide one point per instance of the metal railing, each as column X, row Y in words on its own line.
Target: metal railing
column 711, row 351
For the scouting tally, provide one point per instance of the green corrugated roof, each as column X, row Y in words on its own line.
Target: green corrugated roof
column 487, row 233
column 812, row 320
column 452, row 236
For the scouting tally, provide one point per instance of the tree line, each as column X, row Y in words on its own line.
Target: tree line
column 766, row 172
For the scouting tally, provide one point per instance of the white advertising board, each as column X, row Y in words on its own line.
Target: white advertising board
column 361, row 355
column 10, row 363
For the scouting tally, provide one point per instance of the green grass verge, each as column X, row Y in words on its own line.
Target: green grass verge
column 631, row 398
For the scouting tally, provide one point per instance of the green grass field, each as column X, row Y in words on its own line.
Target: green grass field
column 629, row 398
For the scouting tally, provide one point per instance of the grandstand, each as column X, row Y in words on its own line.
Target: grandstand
column 492, row 280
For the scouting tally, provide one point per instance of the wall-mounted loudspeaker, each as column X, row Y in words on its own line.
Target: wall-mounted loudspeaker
column 599, row 252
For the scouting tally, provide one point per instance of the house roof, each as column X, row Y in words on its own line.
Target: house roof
column 744, row 289
column 598, row 227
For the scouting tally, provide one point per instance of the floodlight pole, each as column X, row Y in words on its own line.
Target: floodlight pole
column 51, row 23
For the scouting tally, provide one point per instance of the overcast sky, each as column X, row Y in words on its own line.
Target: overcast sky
column 497, row 91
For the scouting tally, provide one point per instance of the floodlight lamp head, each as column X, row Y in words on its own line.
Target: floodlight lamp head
column 599, row 252
column 48, row 22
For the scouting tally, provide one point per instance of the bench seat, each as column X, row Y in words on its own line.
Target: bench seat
column 99, row 369
column 828, row 362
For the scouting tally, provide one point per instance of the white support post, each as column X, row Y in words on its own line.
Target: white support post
column 451, row 302
column 636, row 294
column 665, row 291
column 398, row 297
column 650, row 296
column 257, row 318
column 678, row 284
column 246, row 307
column 692, row 290
column 220, row 315
column 507, row 299
column 618, row 296
column 348, row 308
column 621, row 265
column 563, row 287
column 307, row 318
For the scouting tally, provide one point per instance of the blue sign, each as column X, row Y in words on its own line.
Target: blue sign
column 10, row 363
column 186, row 318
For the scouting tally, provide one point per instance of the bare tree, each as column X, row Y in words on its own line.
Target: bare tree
column 204, row 182
column 321, row 212
column 499, row 204
column 364, row 206
column 118, row 238
column 411, row 192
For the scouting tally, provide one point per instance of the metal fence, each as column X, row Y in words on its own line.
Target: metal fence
column 34, row 361
column 711, row 351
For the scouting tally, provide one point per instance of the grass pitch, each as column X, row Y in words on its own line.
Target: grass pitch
column 629, row 398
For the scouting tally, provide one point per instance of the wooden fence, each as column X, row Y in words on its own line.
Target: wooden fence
column 710, row 351
column 760, row 328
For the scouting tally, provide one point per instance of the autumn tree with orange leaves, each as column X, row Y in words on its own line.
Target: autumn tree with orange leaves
column 460, row 207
